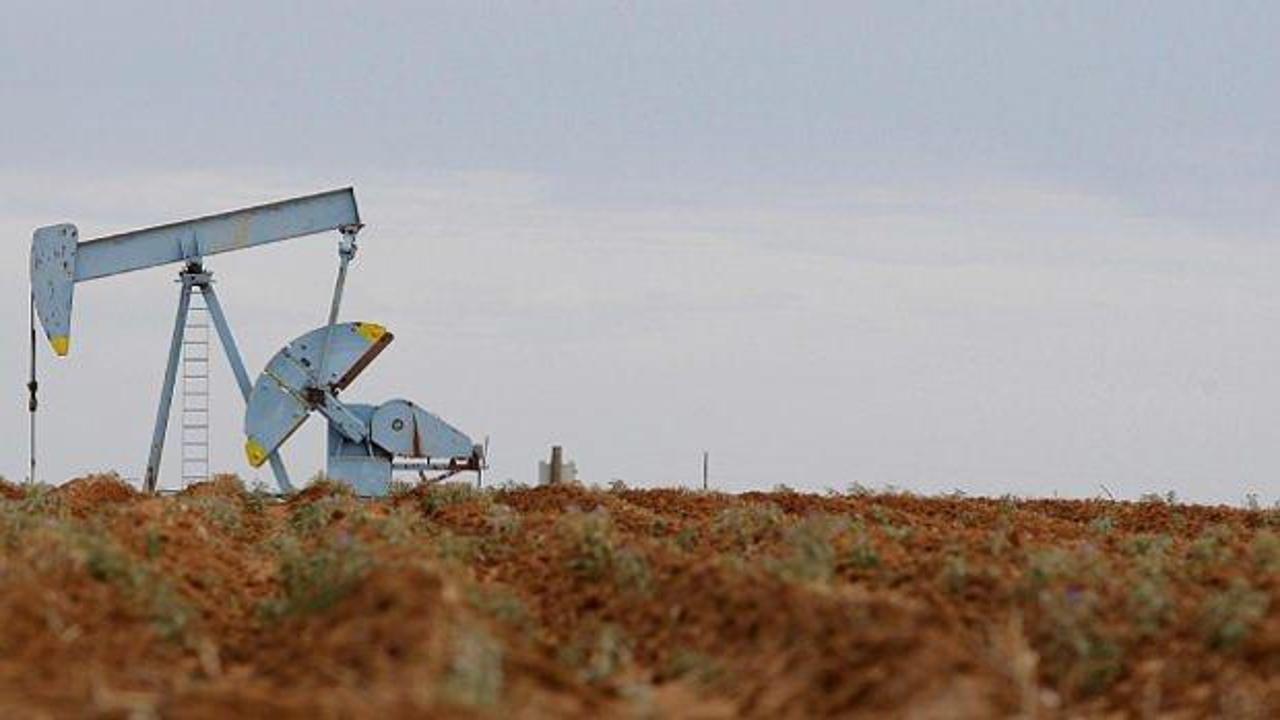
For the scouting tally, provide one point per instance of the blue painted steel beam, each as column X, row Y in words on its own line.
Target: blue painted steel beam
column 237, row 368
column 213, row 234
column 152, row 474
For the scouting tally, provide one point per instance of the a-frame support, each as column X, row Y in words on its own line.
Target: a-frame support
column 193, row 276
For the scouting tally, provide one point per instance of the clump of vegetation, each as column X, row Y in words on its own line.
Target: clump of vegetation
column 594, row 554
column 400, row 525
column 686, row 539
column 590, row 538
column 500, row 604
column 610, row 653
column 1078, row 652
column 1228, row 616
column 1265, row 551
column 474, row 676
column 686, row 664
column 857, row 489
column 1151, row 498
column 955, row 573
column 899, row 532
column 1211, row 549
column 316, row 578
column 860, row 553
column 748, row 523
column 441, row 495
column 1102, row 525
column 458, row 549
column 142, row 586
column 308, row 518
column 809, row 556
column 1149, row 604
column 631, row 571
column 225, row 513
column 502, row 520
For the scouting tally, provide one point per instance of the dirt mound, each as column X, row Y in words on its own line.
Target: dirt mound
column 11, row 491
column 83, row 494
column 319, row 489
column 451, row 601
column 224, row 486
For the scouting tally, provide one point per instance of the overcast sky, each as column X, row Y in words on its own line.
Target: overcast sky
column 1000, row 247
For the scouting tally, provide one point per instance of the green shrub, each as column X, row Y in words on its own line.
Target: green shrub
column 318, row 578
column 1228, row 616
column 748, row 523
column 142, row 586
column 475, row 673
column 809, row 555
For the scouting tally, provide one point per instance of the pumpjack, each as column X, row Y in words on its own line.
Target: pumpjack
column 367, row 444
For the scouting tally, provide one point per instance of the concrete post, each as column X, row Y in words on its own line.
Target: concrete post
column 555, row 473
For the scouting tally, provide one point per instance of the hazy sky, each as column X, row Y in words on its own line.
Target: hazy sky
column 1001, row 247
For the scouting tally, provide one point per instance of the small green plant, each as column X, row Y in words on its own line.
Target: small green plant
column 475, row 674
column 308, row 518
column 454, row 548
column 861, row 554
column 144, row 587
column 590, row 538
column 256, row 500
column 397, row 489
column 1150, row 553
column 748, row 523
column 501, row 604
column 594, row 555
column 809, row 555
column 857, row 489
column 1265, row 552
column 955, row 573
column 1078, row 652
column 1149, row 604
column 223, row 512
column 632, row 573
column 442, row 495
column 154, row 542
column 1210, row 549
column 686, row 664
column 1102, row 525
column 1228, row 616
column 502, row 520
column 609, row 655
column 400, row 525
column 317, row 578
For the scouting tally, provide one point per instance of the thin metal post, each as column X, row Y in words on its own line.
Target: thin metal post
column 346, row 251
column 232, row 352
column 170, row 373
column 32, row 387
column 705, row 461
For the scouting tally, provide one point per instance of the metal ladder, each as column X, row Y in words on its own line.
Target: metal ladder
column 195, row 393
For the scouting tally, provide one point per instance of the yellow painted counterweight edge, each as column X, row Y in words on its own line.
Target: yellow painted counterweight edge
column 255, row 452
column 370, row 331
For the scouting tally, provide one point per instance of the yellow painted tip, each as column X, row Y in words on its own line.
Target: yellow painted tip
column 255, row 452
column 61, row 345
column 370, row 331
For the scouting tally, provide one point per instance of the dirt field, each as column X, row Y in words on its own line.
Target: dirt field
column 452, row 602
